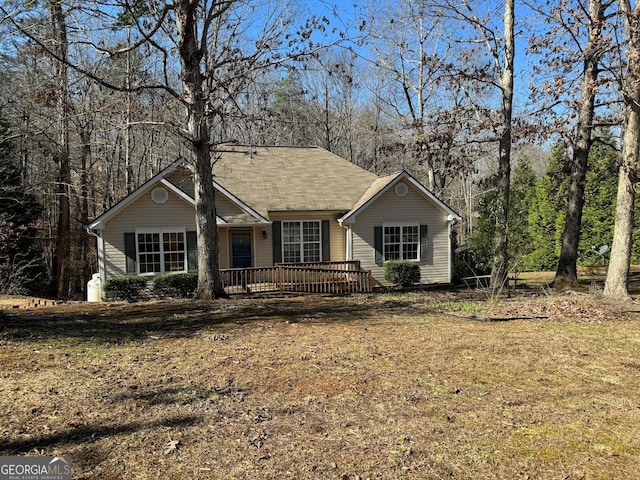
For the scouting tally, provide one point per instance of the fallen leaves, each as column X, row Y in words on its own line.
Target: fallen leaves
column 385, row 386
column 568, row 308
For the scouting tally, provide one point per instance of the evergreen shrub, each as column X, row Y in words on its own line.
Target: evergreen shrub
column 178, row 285
column 129, row 288
column 402, row 273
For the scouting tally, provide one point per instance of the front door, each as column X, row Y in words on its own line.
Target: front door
column 240, row 249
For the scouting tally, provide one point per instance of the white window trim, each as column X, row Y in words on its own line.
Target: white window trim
column 401, row 225
column 302, row 260
column 161, row 231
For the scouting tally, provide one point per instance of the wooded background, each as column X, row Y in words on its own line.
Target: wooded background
column 96, row 98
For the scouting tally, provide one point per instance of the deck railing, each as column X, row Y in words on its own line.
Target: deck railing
column 322, row 277
column 344, row 265
column 250, row 280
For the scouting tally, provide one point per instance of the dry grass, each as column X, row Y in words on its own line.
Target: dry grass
column 388, row 386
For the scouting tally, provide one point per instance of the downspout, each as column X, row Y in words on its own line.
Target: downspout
column 451, row 221
column 348, row 240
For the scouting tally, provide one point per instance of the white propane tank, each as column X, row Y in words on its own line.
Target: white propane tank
column 94, row 288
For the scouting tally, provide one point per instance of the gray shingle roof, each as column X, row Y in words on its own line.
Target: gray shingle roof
column 260, row 180
column 291, row 178
column 374, row 188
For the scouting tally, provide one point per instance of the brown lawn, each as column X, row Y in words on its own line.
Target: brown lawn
column 411, row 386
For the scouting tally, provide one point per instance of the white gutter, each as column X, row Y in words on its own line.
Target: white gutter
column 348, row 240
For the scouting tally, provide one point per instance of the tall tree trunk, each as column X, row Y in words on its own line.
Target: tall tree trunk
column 128, row 169
column 84, row 242
column 209, row 280
column 567, row 272
column 617, row 283
column 501, row 252
column 60, row 266
column 327, row 116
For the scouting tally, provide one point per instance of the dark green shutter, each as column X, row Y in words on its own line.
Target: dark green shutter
column 326, row 251
column 130, row 252
column 276, row 237
column 423, row 242
column 192, row 251
column 377, row 243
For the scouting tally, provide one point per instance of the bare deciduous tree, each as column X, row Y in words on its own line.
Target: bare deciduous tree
column 499, row 47
column 60, row 43
column 616, row 285
column 501, row 255
column 577, row 38
column 567, row 272
column 203, row 54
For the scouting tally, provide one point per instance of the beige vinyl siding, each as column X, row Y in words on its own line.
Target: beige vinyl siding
column 223, row 246
column 263, row 248
column 337, row 234
column 412, row 208
column 182, row 178
column 142, row 213
column 225, row 208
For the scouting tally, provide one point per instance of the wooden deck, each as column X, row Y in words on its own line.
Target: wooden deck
column 321, row 277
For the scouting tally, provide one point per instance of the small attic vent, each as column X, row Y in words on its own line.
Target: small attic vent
column 401, row 189
column 159, row 195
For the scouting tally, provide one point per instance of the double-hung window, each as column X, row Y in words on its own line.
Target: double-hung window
column 301, row 241
column 161, row 251
column 401, row 242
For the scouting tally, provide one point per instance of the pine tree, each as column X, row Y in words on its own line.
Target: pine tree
column 546, row 213
column 522, row 193
column 600, row 201
column 545, row 222
column 290, row 112
column 520, row 240
column 481, row 240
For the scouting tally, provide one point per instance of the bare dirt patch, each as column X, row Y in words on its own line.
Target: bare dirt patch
column 371, row 386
